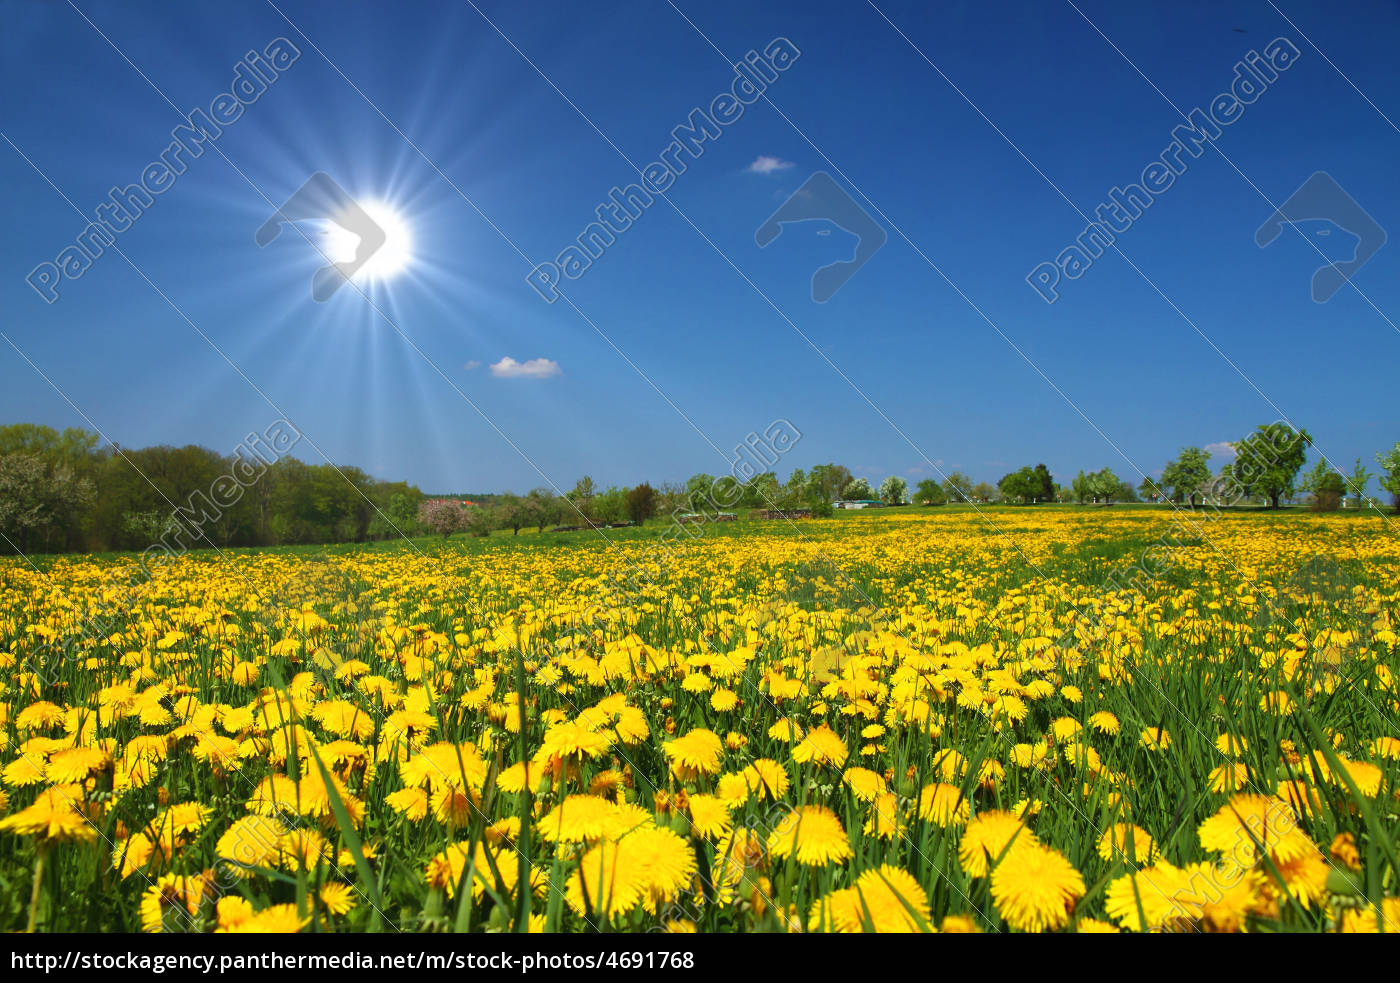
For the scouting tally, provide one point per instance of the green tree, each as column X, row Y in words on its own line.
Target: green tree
column 610, row 505
column 581, row 497
column 893, row 490
column 795, row 491
column 512, row 513
column 1187, row 475
column 641, row 503
column 479, row 520
column 193, row 497
column 1022, row 485
column 1315, row 477
column 670, row 498
column 857, row 489
column 762, row 491
column 73, row 446
column 699, row 490
column 1080, row 487
column 1105, row 486
column 543, row 508
column 1357, row 481
column 825, row 482
column 983, row 492
column 397, row 515
column 958, row 487
column 1044, row 484
column 1390, row 481
column 1327, row 495
column 39, row 501
column 726, row 493
column 1267, row 463
column 930, row 492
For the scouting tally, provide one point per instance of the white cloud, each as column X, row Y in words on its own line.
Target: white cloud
column 473, row 364
column 535, row 368
column 764, row 164
column 1221, row 449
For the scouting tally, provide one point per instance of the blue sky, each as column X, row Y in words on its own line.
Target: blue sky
column 684, row 336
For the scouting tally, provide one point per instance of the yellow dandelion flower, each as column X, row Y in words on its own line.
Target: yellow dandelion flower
column 812, row 834
column 172, row 902
column 250, row 842
column 883, row 819
column 1249, row 825
column 821, row 745
column 864, row 784
column 698, row 752
column 723, row 700
column 987, row 838
column 1092, row 926
column 57, row 815
column 409, row 802
column 883, row 899
column 1372, row 920
column 1344, row 851
column 279, row 919
column 709, row 816
column 1035, row 888
column 1386, row 747
column 1155, row 739
column 767, row 777
column 785, row 730
column 1133, row 843
column 1104, row 722
column 232, row 911
column 943, row 804
column 338, row 898
column 1231, row 745
column 74, row 765
column 1229, row 777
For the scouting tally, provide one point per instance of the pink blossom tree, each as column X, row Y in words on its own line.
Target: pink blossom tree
column 443, row 516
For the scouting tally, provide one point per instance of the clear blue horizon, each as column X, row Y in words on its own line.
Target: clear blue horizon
column 495, row 132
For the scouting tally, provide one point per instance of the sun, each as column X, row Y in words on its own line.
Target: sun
column 389, row 260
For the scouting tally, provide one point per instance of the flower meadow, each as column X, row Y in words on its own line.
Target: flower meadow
column 911, row 721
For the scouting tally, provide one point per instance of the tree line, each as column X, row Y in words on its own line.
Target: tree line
column 60, row 491
column 1266, row 468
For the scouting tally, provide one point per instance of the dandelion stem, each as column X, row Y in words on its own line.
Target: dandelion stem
column 37, row 891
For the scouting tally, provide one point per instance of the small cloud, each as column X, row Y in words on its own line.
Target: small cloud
column 763, row 164
column 473, row 364
column 535, row 368
column 1222, row 449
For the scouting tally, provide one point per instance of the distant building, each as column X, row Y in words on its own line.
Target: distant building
column 860, row 503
